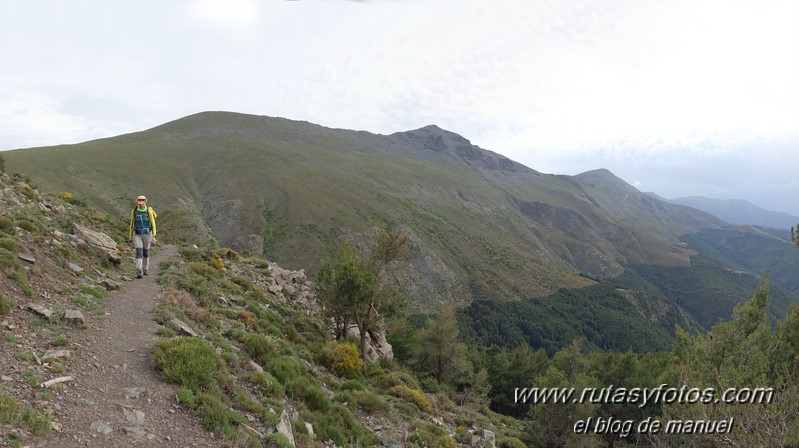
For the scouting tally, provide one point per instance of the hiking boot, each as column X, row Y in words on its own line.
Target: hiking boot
column 145, row 271
column 138, row 273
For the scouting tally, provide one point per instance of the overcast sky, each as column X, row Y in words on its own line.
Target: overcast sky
column 677, row 97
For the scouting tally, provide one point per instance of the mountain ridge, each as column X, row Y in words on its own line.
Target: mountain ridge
column 738, row 211
column 482, row 226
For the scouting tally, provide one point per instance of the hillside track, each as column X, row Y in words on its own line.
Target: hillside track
column 117, row 398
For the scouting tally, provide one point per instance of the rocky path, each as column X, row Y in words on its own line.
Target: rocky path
column 117, row 398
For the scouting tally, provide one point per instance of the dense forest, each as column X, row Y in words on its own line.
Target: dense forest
column 601, row 314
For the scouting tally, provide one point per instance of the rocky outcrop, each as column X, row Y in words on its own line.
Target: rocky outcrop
column 99, row 240
column 293, row 286
column 376, row 344
column 284, row 427
column 484, row 439
column 181, row 327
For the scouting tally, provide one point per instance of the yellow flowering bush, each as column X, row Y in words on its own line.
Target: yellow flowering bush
column 216, row 263
column 447, row 441
column 414, row 396
column 343, row 357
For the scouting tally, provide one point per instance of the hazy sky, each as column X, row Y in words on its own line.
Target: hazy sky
column 677, row 97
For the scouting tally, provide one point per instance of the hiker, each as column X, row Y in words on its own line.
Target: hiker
column 142, row 232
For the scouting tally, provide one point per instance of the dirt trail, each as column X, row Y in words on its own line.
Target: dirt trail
column 116, row 387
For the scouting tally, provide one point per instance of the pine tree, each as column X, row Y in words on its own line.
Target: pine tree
column 743, row 353
column 440, row 353
column 343, row 286
column 356, row 291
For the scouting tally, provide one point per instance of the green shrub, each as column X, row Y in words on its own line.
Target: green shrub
column 9, row 243
column 315, row 398
column 346, row 398
column 267, row 384
column 284, row 368
column 197, row 286
column 30, row 226
column 306, row 389
column 277, row 440
column 65, row 253
column 187, row 361
column 463, row 434
column 6, row 225
column 186, row 397
column 330, row 431
column 201, row 268
column 431, row 436
column 72, row 199
column 340, row 426
column 261, row 348
column 370, row 402
column 60, row 341
column 166, row 332
column 9, row 259
column 191, row 254
column 94, row 291
column 85, row 302
column 22, row 281
column 352, row 385
column 244, row 283
column 269, row 418
column 31, row 378
column 246, row 402
column 16, row 414
column 5, row 305
column 226, row 254
column 399, row 379
column 215, row 415
column 26, row 191
column 510, row 442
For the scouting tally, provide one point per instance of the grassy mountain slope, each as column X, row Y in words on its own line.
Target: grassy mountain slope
column 754, row 249
column 482, row 225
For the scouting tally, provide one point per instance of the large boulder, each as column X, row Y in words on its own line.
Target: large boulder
column 98, row 239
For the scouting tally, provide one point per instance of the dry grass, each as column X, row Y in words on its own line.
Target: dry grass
column 177, row 298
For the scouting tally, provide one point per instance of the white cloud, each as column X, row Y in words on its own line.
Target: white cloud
column 563, row 87
column 230, row 14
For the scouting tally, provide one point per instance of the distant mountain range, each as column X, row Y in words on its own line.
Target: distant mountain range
column 483, row 227
column 737, row 211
